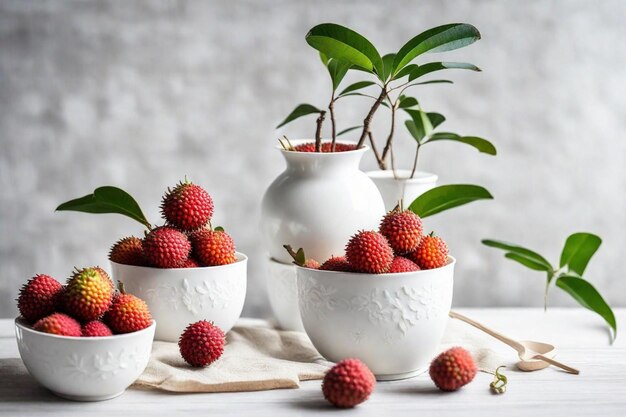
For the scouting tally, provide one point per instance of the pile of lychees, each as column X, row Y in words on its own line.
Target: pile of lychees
column 87, row 305
column 398, row 246
column 186, row 241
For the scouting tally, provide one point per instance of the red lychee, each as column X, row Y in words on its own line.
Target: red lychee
column 403, row 230
column 452, row 369
column 127, row 251
column 165, row 247
column 369, row 252
column 326, row 147
column 59, row 324
column 191, row 263
column 88, row 294
column 402, row 264
column 348, row 383
column 202, row 343
column 213, row 247
column 127, row 314
column 39, row 297
column 431, row 253
column 336, row 263
column 187, row 206
column 96, row 328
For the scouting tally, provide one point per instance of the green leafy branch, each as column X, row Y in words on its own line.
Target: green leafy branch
column 445, row 197
column 578, row 250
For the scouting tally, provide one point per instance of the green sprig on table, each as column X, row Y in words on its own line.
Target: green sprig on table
column 578, row 250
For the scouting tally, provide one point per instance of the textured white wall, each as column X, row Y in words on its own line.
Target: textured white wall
column 139, row 94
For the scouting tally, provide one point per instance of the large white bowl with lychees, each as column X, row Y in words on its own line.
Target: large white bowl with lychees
column 393, row 322
column 181, row 296
column 84, row 368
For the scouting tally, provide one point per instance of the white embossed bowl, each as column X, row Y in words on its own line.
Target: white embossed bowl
column 84, row 368
column 392, row 322
column 178, row 297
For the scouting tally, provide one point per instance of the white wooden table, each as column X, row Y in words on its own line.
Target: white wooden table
column 582, row 340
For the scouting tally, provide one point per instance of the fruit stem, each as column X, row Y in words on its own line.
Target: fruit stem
column 120, row 287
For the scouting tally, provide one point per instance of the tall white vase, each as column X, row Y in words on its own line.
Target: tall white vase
column 402, row 187
column 317, row 203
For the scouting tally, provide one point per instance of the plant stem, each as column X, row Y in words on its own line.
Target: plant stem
column 374, row 149
column 318, row 131
column 391, row 132
column 417, row 152
column 331, row 110
column 368, row 118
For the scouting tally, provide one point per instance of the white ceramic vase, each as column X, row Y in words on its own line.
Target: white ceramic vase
column 392, row 322
column 403, row 187
column 179, row 297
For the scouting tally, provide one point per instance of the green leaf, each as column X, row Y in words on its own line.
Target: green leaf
column 339, row 42
column 301, row 110
column 219, row 229
column 107, row 199
column 387, row 65
column 578, row 250
column 438, row 66
column 438, row 39
column 350, row 129
column 416, row 132
column 405, row 71
column 431, row 82
column 519, row 250
column 421, row 124
column 407, row 102
column 356, row 86
column 337, row 70
column 300, row 258
column 588, row 297
column 446, row 197
column 436, row 119
column 482, row 145
column 529, row 262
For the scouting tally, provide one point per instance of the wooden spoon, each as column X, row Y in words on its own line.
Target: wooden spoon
column 533, row 355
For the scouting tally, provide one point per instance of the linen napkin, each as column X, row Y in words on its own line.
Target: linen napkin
column 259, row 357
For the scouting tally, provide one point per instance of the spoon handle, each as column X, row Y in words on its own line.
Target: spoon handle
column 514, row 344
column 557, row 364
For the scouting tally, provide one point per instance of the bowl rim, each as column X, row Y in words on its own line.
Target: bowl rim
column 241, row 258
column 22, row 324
column 387, row 276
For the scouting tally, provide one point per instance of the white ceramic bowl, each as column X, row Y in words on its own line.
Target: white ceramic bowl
column 402, row 188
column 178, row 297
column 84, row 368
column 282, row 290
column 392, row 322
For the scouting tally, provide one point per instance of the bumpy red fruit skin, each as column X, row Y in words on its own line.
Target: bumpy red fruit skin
column 348, row 383
column 336, row 263
column 59, row 324
column 128, row 314
column 402, row 264
column 452, row 369
column 39, row 297
column 96, row 328
column 187, row 207
column 165, row 247
column 213, row 247
column 201, row 344
column 127, row 251
column 431, row 253
column 369, row 252
column 326, row 147
column 403, row 230
column 88, row 294
column 191, row 263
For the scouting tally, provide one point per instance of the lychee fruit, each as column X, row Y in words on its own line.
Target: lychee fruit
column 127, row 251
column 300, row 259
column 403, row 230
column 452, row 369
column 59, row 324
column 165, row 247
column 431, row 253
column 213, row 247
column 88, row 294
column 348, row 383
column 202, row 343
column 191, row 263
column 325, row 147
column 369, row 252
column 96, row 328
column 127, row 313
column 336, row 263
column 187, row 206
column 39, row 297
column 402, row 264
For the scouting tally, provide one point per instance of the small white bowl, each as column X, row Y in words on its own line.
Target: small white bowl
column 392, row 322
column 178, row 297
column 404, row 187
column 282, row 290
column 84, row 368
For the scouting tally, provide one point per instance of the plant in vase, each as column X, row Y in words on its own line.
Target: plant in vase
column 186, row 270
